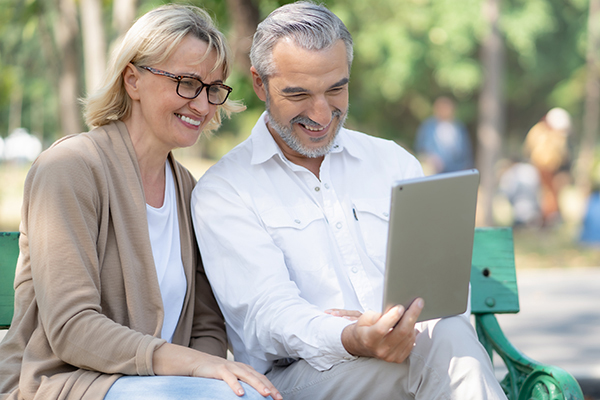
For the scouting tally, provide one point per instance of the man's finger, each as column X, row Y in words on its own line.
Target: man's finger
column 388, row 320
column 409, row 319
column 369, row 318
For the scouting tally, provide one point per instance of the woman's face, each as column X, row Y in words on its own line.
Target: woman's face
column 159, row 114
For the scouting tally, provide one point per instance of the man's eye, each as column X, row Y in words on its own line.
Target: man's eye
column 297, row 96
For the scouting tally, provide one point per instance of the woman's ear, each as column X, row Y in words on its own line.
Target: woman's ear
column 258, row 85
column 130, row 80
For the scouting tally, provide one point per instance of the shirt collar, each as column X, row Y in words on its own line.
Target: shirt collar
column 264, row 146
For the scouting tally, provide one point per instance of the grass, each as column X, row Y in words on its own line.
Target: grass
column 534, row 248
column 553, row 248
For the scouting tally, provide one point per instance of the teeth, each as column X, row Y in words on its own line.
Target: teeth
column 315, row 129
column 189, row 120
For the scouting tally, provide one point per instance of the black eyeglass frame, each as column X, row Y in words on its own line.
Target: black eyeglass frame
column 203, row 85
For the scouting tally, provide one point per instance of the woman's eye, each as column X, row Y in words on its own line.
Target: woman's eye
column 190, row 83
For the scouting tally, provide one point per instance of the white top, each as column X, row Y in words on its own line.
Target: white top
column 163, row 226
column 280, row 246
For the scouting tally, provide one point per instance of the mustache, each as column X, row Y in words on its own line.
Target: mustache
column 301, row 119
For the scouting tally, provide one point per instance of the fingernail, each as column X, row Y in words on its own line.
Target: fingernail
column 420, row 303
column 241, row 392
column 267, row 391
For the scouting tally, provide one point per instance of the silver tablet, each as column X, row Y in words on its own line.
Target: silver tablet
column 430, row 243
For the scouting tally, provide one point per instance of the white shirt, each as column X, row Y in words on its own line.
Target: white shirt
column 280, row 246
column 163, row 227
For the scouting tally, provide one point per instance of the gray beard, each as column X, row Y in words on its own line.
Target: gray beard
column 287, row 134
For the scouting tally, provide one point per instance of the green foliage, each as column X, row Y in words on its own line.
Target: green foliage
column 25, row 50
column 407, row 52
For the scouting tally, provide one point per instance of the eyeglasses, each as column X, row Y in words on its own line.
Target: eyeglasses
column 189, row 87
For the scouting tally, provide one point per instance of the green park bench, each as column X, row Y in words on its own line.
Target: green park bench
column 494, row 291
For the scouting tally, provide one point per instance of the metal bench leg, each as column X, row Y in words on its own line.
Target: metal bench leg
column 526, row 379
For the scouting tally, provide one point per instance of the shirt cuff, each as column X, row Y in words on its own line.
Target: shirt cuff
column 333, row 351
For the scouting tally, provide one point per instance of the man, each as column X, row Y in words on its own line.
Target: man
column 292, row 226
column 442, row 141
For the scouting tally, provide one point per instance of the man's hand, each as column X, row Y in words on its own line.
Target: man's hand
column 389, row 337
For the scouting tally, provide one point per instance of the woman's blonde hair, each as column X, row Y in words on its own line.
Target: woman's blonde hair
column 152, row 40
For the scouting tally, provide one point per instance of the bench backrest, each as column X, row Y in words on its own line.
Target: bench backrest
column 9, row 252
column 493, row 277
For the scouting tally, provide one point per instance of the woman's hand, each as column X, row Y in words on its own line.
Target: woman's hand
column 171, row 359
column 351, row 315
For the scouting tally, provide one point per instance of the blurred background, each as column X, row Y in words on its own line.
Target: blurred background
column 511, row 87
column 519, row 80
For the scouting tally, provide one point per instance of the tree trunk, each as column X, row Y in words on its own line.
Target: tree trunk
column 244, row 20
column 66, row 34
column 16, row 107
column 584, row 164
column 94, row 45
column 490, row 125
column 123, row 16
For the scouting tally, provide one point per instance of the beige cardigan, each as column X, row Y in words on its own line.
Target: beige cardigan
column 87, row 301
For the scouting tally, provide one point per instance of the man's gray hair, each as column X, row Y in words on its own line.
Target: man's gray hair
column 309, row 25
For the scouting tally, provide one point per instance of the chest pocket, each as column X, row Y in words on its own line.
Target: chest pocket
column 373, row 219
column 300, row 233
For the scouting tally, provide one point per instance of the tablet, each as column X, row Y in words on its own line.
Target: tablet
column 430, row 243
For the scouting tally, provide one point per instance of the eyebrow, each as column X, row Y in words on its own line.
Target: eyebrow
column 193, row 75
column 298, row 89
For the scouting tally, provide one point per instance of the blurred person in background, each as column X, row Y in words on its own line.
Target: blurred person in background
column 520, row 184
column 110, row 290
column 442, row 142
column 547, row 148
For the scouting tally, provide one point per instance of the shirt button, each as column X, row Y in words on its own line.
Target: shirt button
column 326, row 186
column 338, row 225
column 317, row 188
column 354, row 269
column 386, row 214
column 297, row 221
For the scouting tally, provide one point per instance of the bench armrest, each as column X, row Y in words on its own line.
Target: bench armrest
column 526, row 378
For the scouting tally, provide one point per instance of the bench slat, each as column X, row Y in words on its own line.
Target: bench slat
column 493, row 276
column 9, row 252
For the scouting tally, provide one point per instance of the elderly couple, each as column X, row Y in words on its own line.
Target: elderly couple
column 132, row 278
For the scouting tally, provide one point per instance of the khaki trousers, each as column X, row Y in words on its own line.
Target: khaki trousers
column 447, row 362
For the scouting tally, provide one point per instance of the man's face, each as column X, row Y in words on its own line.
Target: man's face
column 306, row 98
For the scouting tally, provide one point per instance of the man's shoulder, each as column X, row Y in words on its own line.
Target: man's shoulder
column 234, row 162
column 372, row 144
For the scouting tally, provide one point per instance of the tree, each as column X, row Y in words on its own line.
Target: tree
column 67, row 29
column 244, row 19
column 94, row 42
column 123, row 15
column 592, row 99
column 491, row 115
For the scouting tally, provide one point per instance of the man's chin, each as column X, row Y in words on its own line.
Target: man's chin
column 316, row 151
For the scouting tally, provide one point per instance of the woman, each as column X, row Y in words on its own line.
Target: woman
column 109, row 283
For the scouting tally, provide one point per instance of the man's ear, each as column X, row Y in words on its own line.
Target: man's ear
column 258, row 85
column 130, row 80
